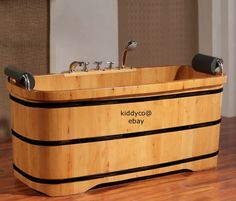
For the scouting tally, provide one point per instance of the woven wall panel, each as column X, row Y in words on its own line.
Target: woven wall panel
column 167, row 31
column 24, row 40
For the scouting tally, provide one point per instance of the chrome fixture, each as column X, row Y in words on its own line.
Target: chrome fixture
column 74, row 64
column 220, row 66
column 131, row 45
column 27, row 81
column 110, row 63
column 98, row 63
column 86, row 66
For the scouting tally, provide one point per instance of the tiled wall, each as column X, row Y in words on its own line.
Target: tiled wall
column 167, row 31
column 23, row 41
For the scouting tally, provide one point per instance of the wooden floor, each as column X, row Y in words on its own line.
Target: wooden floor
column 215, row 184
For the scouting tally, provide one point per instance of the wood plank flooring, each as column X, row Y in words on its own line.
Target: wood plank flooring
column 216, row 184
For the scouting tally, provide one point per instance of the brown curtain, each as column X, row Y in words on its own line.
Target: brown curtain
column 167, row 31
column 24, row 43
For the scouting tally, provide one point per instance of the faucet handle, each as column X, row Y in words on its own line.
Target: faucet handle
column 110, row 63
column 98, row 63
column 85, row 66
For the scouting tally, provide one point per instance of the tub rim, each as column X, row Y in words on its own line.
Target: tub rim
column 111, row 92
column 173, row 86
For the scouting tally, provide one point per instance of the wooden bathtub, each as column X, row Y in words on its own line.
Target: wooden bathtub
column 75, row 131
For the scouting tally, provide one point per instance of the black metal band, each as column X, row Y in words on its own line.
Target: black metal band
column 115, row 173
column 113, row 101
column 113, row 137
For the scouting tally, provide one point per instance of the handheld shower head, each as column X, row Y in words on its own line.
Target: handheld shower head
column 131, row 45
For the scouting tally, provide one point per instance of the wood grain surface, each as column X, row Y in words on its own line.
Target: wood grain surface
column 96, row 143
column 116, row 83
column 215, row 184
column 73, row 122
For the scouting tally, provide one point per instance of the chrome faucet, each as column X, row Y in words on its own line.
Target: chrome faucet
column 74, row 64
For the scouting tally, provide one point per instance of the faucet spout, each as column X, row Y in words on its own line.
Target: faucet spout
column 74, row 65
